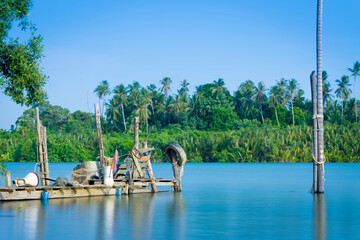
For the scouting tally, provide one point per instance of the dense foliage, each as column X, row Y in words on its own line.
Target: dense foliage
column 21, row 77
column 212, row 125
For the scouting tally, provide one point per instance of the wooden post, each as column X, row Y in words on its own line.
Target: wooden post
column 315, row 127
column 7, row 179
column 100, row 141
column 46, row 159
column 40, row 147
column 136, row 132
column 176, row 171
column 320, row 132
column 150, row 171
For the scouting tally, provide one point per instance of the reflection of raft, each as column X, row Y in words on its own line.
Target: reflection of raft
column 133, row 175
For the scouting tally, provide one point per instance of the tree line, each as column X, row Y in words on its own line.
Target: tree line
column 212, row 107
column 254, row 124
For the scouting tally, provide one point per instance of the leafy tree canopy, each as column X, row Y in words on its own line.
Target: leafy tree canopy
column 21, row 77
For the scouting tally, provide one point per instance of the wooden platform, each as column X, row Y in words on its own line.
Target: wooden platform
column 122, row 187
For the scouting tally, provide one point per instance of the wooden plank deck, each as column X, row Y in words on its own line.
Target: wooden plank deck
column 125, row 187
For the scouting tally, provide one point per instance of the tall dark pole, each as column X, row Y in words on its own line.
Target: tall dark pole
column 315, row 126
column 320, row 116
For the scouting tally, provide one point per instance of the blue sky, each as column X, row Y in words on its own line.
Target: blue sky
column 86, row 42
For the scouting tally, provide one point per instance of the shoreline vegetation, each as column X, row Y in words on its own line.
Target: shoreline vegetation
column 211, row 125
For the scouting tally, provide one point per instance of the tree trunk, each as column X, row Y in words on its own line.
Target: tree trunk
column 122, row 109
column 292, row 110
column 320, row 132
column 262, row 116
column 315, row 127
column 277, row 118
column 342, row 112
column 147, row 124
column 355, row 99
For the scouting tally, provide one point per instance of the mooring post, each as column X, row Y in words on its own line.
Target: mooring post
column 7, row 179
column 100, row 141
column 176, row 170
column 40, row 147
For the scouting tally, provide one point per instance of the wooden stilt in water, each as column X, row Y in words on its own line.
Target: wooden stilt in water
column 40, row 135
column 7, row 179
column 99, row 135
column 46, row 159
column 176, row 170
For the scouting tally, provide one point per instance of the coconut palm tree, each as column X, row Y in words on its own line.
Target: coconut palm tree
column 101, row 91
column 343, row 91
column 165, row 85
column 112, row 112
column 355, row 72
column 120, row 95
column 275, row 99
column 184, row 87
column 292, row 87
column 260, row 96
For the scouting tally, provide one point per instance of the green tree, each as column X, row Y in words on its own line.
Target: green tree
column 326, row 88
column 355, row 72
column 120, row 95
column 165, row 85
column 21, row 77
column 101, row 91
column 260, row 97
column 275, row 100
column 292, row 87
column 343, row 91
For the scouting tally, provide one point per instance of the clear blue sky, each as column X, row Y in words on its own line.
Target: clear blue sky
column 125, row 41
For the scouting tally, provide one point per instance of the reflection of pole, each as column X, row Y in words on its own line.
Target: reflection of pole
column 177, row 216
column 319, row 217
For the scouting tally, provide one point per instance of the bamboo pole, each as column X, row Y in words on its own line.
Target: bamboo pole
column 320, row 105
column 46, row 159
column 100, row 141
column 40, row 147
column 315, row 127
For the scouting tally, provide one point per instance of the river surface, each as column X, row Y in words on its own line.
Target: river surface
column 219, row 201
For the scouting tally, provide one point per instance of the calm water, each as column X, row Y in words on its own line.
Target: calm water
column 219, row 201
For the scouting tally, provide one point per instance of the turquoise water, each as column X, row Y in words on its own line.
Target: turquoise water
column 219, row 201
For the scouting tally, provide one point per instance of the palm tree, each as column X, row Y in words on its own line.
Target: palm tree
column 184, row 87
column 355, row 72
column 275, row 99
column 218, row 91
column 120, row 95
column 343, row 91
column 112, row 112
column 101, row 91
column 260, row 96
column 291, row 90
column 165, row 82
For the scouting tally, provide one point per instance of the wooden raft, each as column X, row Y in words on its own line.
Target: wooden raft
column 120, row 187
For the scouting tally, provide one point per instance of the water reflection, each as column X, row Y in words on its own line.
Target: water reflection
column 141, row 216
column 320, row 225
